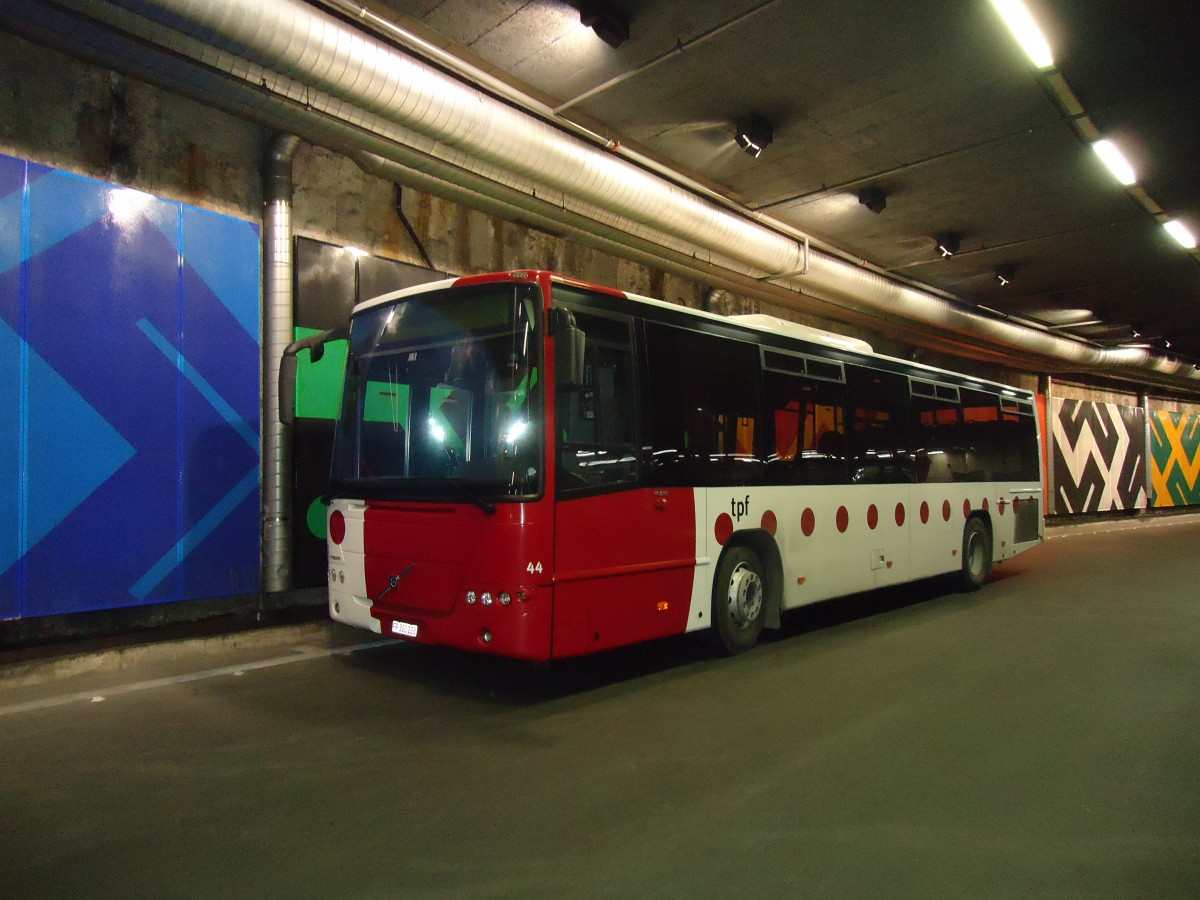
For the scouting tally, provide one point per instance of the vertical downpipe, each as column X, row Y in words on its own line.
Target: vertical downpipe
column 1051, row 490
column 278, row 331
column 1144, row 402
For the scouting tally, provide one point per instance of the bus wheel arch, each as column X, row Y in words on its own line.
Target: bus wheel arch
column 977, row 552
column 746, row 591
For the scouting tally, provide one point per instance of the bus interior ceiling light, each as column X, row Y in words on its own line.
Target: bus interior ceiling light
column 947, row 244
column 610, row 26
column 753, row 134
column 1023, row 27
column 1115, row 161
column 1181, row 233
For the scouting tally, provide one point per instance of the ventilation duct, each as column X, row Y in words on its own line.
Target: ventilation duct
column 302, row 70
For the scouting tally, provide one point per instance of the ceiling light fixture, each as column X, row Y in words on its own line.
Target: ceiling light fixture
column 947, row 244
column 1026, row 31
column 873, row 198
column 753, row 134
column 1181, row 233
column 610, row 26
column 1004, row 275
column 1116, row 161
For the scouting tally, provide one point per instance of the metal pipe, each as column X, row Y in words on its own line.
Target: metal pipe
column 278, row 332
column 1147, row 449
column 1051, row 446
column 331, row 71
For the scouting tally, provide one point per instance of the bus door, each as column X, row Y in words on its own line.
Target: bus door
column 624, row 552
column 881, row 472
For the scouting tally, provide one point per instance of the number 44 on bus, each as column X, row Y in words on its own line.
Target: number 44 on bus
column 539, row 468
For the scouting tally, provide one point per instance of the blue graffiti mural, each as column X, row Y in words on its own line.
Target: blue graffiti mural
column 129, row 394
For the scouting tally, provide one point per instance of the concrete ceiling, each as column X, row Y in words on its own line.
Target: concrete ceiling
column 930, row 101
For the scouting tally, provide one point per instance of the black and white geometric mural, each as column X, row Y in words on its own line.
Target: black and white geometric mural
column 1099, row 457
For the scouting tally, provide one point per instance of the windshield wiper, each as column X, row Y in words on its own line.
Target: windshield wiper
column 489, row 508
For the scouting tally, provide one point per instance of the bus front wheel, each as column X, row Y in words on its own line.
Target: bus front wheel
column 976, row 554
column 738, row 603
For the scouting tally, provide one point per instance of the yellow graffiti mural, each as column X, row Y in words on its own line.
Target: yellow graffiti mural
column 1174, row 458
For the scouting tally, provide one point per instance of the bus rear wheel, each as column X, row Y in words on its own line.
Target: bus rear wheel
column 738, row 603
column 976, row 554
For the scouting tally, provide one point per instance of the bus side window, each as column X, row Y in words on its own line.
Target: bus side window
column 597, row 444
column 703, row 408
column 936, row 430
column 982, row 457
column 809, row 443
column 877, row 409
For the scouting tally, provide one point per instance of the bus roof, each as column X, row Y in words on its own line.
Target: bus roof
column 753, row 322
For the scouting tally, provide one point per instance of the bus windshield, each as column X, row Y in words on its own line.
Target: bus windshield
column 442, row 398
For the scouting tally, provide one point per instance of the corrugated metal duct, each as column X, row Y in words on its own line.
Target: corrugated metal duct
column 375, row 98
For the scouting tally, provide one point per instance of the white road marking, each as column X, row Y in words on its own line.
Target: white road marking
column 301, row 654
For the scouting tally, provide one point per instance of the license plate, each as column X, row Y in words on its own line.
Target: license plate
column 404, row 629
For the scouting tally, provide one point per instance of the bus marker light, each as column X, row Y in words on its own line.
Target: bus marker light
column 801, row 579
column 522, row 596
column 662, row 605
column 486, row 598
column 505, row 598
column 486, row 636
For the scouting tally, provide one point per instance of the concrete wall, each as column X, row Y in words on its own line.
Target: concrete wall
column 83, row 119
column 72, row 116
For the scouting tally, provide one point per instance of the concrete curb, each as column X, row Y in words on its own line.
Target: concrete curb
column 33, row 672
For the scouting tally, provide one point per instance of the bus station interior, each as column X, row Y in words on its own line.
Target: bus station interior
column 185, row 188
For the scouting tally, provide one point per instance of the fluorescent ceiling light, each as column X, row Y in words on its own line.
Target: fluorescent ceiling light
column 1116, row 162
column 1026, row 31
column 1181, row 233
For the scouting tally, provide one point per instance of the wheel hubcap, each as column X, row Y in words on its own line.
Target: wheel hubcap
column 745, row 595
column 974, row 554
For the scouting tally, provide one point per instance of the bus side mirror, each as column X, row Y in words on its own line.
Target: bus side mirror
column 569, row 345
column 287, row 368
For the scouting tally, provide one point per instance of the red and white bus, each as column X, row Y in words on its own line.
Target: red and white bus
column 539, row 468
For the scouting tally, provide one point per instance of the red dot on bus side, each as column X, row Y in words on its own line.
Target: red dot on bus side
column 900, row 514
column 337, row 526
column 1002, row 504
column 843, row 519
column 723, row 529
column 872, row 516
column 924, row 512
column 946, row 510
column 808, row 522
column 985, row 504
column 1016, row 500
column 966, row 509
column 769, row 523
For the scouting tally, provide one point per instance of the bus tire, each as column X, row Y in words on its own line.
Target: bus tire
column 738, row 601
column 976, row 554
